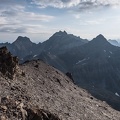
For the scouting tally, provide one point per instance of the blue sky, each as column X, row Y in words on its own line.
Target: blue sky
column 39, row 19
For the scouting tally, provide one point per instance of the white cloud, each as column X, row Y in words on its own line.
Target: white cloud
column 3, row 21
column 93, row 4
column 30, row 16
column 82, row 4
column 95, row 22
column 77, row 16
column 56, row 3
column 16, row 18
column 12, row 2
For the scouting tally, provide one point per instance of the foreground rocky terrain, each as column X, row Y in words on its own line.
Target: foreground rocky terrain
column 40, row 92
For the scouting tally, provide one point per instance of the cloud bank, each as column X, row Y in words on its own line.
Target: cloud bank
column 15, row 17
column 82, row 4
column 24, row 16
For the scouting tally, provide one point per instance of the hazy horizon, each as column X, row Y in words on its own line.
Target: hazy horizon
column 50, row 36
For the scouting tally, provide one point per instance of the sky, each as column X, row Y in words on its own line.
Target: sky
column 39, row 19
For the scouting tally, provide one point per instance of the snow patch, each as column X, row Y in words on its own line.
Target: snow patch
column 111, row 52
column 117, row 94
column 81, row 61
column 104, row 50
column 109, row 56
column 34, row 55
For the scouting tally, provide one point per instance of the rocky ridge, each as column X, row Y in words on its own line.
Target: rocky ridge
column 41, row 92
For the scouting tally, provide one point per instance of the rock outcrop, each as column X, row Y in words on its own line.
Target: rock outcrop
column 8, row 63
column 40, row 114
column 16, row 110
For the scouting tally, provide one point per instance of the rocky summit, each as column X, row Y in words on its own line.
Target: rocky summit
column 41, row 92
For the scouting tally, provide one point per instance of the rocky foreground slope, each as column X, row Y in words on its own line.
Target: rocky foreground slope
column 40, row 92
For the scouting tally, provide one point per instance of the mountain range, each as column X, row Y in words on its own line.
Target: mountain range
column 114, row 42
column 94, row 65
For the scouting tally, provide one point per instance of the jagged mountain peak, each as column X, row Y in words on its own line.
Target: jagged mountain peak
column 22, row 46
column 21, row 39
column 61, row 41
column 100, row 40
column 100, row 36
column 60, row 33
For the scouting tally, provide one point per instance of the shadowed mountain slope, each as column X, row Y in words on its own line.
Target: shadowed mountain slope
column 21, row 47
column 60, row 42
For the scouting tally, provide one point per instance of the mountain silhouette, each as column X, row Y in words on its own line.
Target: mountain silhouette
column 60, row 42
column 21, row 47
